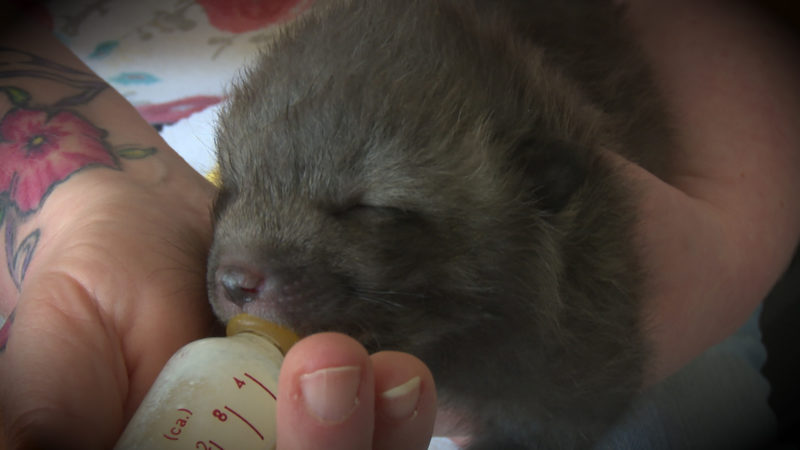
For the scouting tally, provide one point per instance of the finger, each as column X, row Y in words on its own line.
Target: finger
column 62, row 376
column 326, row 395
column 405, row 402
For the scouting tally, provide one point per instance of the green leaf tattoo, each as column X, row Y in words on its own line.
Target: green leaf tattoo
column 17, row 96
column 135, row 152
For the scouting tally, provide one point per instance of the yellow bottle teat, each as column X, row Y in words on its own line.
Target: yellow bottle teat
column 245, row 323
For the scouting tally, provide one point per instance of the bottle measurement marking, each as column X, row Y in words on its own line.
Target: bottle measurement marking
column 175, row 431
column 245, row 421
column 262, row 386
column 210, row 446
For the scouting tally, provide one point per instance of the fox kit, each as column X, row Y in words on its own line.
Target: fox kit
column 432, row 176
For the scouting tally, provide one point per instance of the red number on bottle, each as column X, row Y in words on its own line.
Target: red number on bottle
column 220, row 415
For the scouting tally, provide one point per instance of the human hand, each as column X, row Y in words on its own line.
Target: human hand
column 322, row 375
column 114, row 287
column 104, row 247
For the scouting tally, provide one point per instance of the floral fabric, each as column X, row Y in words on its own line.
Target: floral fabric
column 171, row 59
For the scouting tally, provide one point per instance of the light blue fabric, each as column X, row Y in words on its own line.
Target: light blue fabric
column 719, row 401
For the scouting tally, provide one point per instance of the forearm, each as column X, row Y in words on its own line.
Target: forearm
column 58, row 81
column 89, row 140
column 728, row 226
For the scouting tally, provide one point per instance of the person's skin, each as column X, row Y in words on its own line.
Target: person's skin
column 378, row 421
column 115, row 283
column 722, row 232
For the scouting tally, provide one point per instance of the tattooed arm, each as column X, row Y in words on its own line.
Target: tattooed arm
column 104, row 232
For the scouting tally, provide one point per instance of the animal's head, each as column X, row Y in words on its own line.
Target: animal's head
column 387, row 187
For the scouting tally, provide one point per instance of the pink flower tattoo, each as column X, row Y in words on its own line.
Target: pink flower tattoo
column 40, row 150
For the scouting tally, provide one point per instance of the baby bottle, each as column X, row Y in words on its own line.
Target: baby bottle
column 215, row 393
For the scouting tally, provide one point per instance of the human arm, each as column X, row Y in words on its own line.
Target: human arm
column 722, row 230
column 97, row 307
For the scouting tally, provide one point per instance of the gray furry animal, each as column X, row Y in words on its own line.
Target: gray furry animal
column 431, row 176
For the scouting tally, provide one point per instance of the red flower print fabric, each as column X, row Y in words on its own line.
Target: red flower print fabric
column 240, row 16
column 34, row 147
column 172, row 112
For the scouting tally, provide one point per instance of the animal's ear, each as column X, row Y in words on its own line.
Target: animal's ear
column 555, row 170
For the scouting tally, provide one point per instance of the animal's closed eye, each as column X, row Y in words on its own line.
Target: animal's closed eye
column 375, row 214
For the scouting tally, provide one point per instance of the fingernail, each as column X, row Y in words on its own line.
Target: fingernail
column 331, row 394
column 400, row 402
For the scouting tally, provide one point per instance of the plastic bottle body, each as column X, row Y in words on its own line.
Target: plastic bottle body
column 215, row 393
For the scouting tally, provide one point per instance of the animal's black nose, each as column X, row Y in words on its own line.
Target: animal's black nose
column 239, row 284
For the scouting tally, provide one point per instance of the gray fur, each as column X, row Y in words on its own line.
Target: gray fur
column 426, row 176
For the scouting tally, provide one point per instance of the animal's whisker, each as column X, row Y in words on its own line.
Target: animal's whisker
column 378, row 300
column 391, row 293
